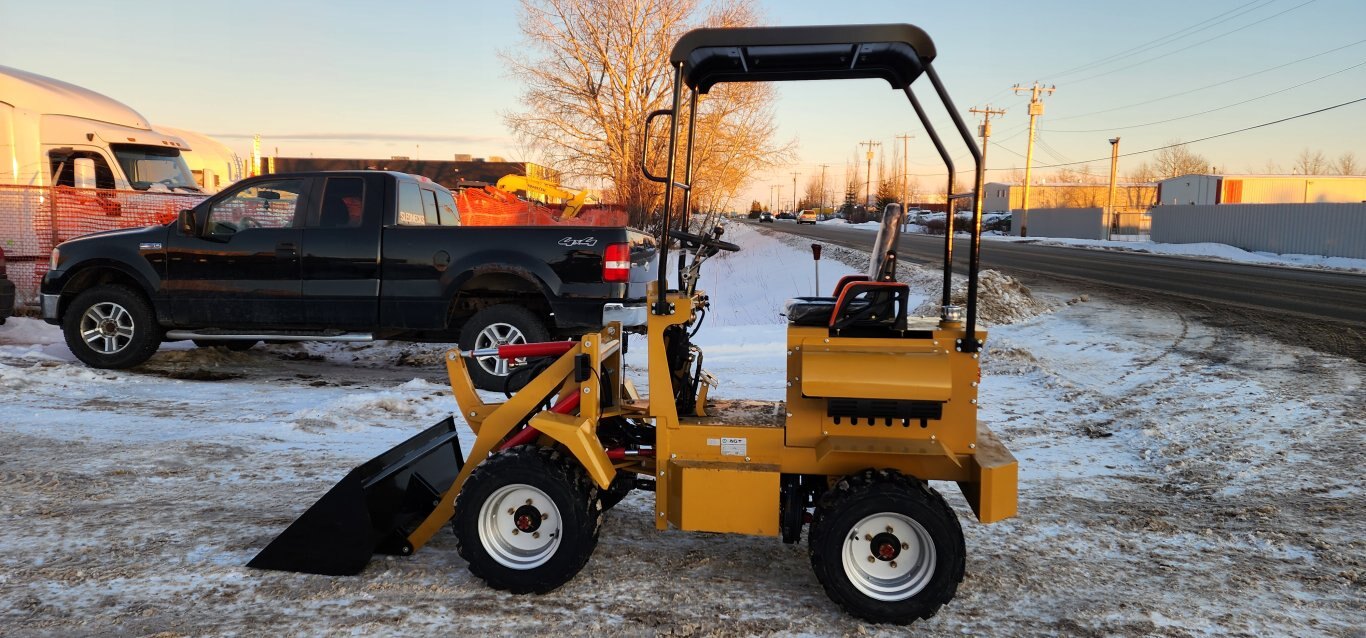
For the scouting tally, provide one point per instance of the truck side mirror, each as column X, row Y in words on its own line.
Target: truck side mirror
column 186, row 222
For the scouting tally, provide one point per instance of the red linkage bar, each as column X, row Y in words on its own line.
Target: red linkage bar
column 542, row 349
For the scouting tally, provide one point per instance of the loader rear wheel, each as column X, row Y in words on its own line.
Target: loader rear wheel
column 527, row 519
column 886, row 547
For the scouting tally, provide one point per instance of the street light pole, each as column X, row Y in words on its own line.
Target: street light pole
column 1110, row 220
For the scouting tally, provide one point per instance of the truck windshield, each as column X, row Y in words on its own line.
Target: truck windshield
column 150, row 166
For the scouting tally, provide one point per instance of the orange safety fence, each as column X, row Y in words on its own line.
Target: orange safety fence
column 33, row 219
column 492, row 206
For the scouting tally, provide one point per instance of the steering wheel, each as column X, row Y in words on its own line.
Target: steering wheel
column 690, row 239
column 248, row 222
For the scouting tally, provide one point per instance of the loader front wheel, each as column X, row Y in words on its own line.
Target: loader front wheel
column 886, row 547
column 526, row 519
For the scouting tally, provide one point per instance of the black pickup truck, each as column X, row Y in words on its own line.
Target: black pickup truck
column 340, row 256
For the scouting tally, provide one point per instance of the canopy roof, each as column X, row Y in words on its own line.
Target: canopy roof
column 896, row 53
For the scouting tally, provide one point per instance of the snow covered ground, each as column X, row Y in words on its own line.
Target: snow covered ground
column 1222, row 252
column 1176, row 480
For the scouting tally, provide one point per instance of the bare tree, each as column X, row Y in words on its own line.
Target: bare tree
column 1311, row 163
column 1346, row 164
column 1177, row 160
column 592, row 69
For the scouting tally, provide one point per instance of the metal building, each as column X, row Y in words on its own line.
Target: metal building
column 1261, row 189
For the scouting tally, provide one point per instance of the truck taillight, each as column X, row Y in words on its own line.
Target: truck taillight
column 616, row 263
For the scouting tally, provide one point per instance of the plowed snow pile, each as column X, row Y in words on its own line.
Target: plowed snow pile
column 1175, row 480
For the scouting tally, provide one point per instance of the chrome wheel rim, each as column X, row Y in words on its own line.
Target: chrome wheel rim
column 107, row 327
column 889, row 557
column 520, row 527
column 492, row 336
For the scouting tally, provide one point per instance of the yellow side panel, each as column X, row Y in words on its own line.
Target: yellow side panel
column 876, row 375
column 993, row 492
column 723, row 497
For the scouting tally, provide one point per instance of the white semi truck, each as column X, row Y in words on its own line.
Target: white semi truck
column 55, row 134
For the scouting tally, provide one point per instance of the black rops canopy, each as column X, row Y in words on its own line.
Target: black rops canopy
column 897, row 53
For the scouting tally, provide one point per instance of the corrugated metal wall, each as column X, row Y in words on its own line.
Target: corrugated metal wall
column 1331, row 230
column 1075, row 223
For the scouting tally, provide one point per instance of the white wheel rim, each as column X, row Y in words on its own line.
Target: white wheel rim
column 520, row 527
column 888, row 557
column 492, row 336
column 107, row 327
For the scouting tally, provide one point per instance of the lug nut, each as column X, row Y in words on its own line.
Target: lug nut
column 867, row 537
column 515, row 531
column 528, row 501
column 538, row 535
column 511, row 511
column 905, row 546
column 889, row 529
column 893, row 564
column 871, row 559
column 545, row 516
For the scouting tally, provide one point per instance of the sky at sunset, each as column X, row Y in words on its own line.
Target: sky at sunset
column 423, row 79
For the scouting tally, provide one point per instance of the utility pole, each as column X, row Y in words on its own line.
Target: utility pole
column 1110, row 220
column 984, row 131
column 1035, row 110
column 822, row 208
column 780, row 198
column 905, row 174
column 794, row 191
column 868, row 177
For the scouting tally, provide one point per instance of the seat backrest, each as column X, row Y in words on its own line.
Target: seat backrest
column 882, row 264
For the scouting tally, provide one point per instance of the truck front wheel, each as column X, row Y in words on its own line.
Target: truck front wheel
column 111, row 327
column 495, row 326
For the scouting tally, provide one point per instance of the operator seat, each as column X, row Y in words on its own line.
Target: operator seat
column 872, row 299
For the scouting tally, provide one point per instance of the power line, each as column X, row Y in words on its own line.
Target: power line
column 1226, row 106
column 1210, row 86
column 1203, row 139
column 1159, row 41
column 1200, row 43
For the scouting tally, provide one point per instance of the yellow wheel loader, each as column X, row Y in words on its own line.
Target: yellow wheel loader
column 878, row 404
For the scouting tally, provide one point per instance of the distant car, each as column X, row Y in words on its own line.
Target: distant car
column 766, row 217
column 786, row 215
column 807, row 216
column 6, row 291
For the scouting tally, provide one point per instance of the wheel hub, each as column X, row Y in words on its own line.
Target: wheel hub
column 885, row 546
column 889, row 556
column 498, row 334
column 527, row 518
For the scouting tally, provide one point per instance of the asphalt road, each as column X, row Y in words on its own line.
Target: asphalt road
column 1336, row 297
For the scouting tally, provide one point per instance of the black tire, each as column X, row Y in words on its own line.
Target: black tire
column 111, row 327
column 235, row 346
column 493, row 541
column 880, row 590
column 487, row 328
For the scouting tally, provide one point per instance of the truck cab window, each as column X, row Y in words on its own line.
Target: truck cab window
column 450, row 215
column 410, row 211
column 154, row 168
column 429, row 207
column 270, row 204
column 104, row 176
column 343, row 203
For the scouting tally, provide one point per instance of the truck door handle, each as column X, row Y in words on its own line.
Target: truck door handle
column 286, row 250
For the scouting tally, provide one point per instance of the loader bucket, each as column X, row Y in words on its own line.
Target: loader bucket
column 372, row 510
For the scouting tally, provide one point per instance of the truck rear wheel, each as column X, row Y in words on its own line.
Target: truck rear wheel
column 111, row 327
column 886, row 547
column 504, row 324
column 526, row 520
